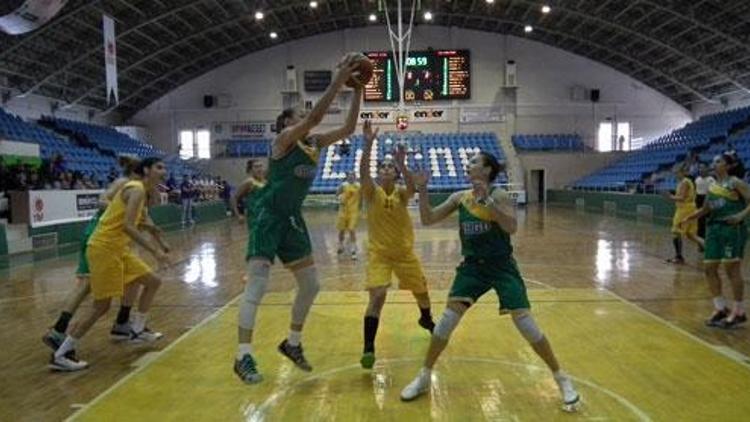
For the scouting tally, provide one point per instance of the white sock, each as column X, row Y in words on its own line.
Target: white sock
column 739, row 306
column 425, row 372
column 67, row 345
column 244, row 349
column 559, row 375
column 295, row 337
column 139, row 322
column 719, row 303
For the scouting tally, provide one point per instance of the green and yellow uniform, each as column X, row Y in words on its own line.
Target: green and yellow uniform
column 391, row 241
column 349, row 207
column 488, row 259
column 83, row 263
column 278, row 227
column 251, row 200
column 683, row 209
column 111, row 259
column 724, row 242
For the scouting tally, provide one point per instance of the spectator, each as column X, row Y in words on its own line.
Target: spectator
column 187, row 195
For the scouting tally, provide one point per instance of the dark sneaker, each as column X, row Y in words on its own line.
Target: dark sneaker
column 733, row 321
column 368, row 360
column 67, row 363
column 717, row 318
column 427, row 324
column 295, row 354
column 145, row 336
column 120, row 332
column 53, row 339
column 247, row 370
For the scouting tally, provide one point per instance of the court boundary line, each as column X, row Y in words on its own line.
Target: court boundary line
column 78, row 413
column 734, row 355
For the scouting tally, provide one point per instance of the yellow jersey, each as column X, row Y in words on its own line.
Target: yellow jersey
column 110, row 231
column 350, row 197
column 389, row 225
column 689, row 202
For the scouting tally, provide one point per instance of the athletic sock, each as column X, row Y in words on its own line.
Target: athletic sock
column 67, row 345
column 244, row 349
column 371, row 329
column 139, row 322
column 719, row 303
column 61, row 326
column 677, row 242
column 294, row 338
column 425, row 313
column 123, row 316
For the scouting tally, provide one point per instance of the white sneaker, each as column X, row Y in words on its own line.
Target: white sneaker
column 354, row 255
column 571, row 398
column 416, row 388
column 145, row 336
column 67, row 363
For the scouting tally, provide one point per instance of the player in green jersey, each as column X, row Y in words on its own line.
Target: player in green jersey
column 249, row 191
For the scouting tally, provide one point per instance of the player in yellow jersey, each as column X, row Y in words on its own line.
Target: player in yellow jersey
column 684, row 199
column 390, row 248
column 348, row 194
column 112, row 261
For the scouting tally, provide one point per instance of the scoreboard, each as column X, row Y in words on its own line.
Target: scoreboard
column 430, row 76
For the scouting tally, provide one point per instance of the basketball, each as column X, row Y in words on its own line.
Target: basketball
column 363, row 73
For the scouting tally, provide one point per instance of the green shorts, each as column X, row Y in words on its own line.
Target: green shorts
column 725, row 243
column 83, row 262
column 274, row 234
column 476, row 276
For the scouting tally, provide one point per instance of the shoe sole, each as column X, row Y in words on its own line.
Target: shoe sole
column 58, row 368
column 304, row 368
column 258, row 378
column 407, row 399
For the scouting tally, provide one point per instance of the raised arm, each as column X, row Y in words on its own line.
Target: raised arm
column 364, row 164
column 400, row 159
column 290, row 135
column 134, row 202
column 328, row 138
column 429, row 215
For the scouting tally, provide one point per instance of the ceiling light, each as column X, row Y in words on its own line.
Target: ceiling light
column 428, row 15
column 546, row 9
column 273, row 35
column 489, row 1
column 373, row 17
column 259, row 16
column 314, row 4
column 528, row 28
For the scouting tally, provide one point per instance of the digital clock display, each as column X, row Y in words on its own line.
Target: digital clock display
column 430, row 76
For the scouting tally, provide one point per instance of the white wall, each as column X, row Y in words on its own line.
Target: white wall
column 561, row 169
column 543, row 103
column 32, row 107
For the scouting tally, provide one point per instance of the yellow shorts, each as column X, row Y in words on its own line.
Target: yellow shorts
column 407, row 268
column 110, row 272
column 347, row 220
column 686, row 229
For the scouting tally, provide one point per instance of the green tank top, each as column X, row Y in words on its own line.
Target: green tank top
column 289, row 180
column 480, row 235
column 91, row 226
column 723, row 200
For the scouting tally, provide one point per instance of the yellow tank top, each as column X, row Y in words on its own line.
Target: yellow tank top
column 110, row 231
column 689, row 202
column 350, row 197
column 390, row 230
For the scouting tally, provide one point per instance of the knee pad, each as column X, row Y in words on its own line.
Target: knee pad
column 527, row 327
column 447, row 324
column 254, row 290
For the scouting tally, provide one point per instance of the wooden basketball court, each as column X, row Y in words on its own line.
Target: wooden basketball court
column 627, row 326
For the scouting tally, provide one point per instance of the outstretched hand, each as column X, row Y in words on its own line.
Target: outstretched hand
column 421, row 177
column 368, row 133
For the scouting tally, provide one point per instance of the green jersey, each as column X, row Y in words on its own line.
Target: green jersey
column 724, row 200
column 481, row 236
column 251, row 200
column 289, row 180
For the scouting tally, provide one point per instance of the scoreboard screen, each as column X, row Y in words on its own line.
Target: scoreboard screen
column 430, row 76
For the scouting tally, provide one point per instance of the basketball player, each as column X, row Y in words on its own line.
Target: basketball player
column 121, row 329
column 278, row 227
column 726, row 207
column 249, row 192
column 348, row 194
column 112, row 262
column 487, row 220
column 684, row 199
column 390, row 242
column 702, row 183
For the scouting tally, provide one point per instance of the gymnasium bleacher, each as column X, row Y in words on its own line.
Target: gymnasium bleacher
column 445, row 154
column 705, row 136
column 555, row 142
